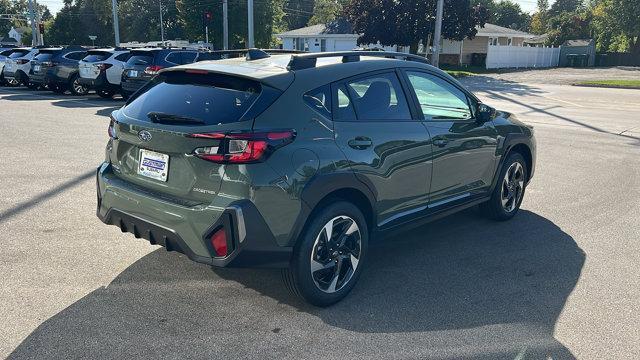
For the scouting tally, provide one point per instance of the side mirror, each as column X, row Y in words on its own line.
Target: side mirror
column 485, row 112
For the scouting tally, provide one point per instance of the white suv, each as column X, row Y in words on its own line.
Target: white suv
column 17, row 66
column 101, row 70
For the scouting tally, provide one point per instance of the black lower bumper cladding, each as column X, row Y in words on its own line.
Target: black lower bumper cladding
column 251, row 246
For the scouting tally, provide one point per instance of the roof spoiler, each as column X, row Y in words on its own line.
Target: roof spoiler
column 309, row 60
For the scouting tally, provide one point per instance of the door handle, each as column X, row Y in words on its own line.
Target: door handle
column 440, row 142
column 360, row 143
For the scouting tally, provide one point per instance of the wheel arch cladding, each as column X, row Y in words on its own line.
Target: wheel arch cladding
column 326, row 189
column 523, row 150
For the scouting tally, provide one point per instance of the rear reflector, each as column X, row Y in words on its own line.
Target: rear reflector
column 219, row 242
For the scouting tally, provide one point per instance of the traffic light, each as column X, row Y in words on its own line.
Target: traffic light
column 207, row 17
column 41, row 28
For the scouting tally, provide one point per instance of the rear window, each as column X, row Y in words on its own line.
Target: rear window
column 95, row 56
column 18, row 54
column 140, row 58
column 209, row 99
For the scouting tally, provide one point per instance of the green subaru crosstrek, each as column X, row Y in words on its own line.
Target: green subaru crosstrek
column 296, row 161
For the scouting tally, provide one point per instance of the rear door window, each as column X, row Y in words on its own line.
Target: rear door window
column 378, row 97
column 95, row 56
column 194, row 99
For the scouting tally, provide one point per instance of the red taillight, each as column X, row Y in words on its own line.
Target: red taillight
column 103, row 67
column 112, row 130
column 242, row 148
column 219, row 242
column 152, row 70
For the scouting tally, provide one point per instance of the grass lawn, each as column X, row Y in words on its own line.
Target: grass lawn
column 462, row 71
column 613, row 83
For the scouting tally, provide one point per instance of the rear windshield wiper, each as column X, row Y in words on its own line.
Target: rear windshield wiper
column 160, row 117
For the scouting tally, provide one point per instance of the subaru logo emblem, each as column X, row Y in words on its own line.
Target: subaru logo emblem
column 144, row 135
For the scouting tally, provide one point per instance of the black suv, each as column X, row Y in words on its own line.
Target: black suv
column 295, row 161
column 57, row 69
column 144, row 64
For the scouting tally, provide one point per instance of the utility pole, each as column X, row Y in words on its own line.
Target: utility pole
column 437, row 34
column 161, row 24
column 40, row 36
column 250, row 21
column 34, row 30
column 116, row 27
column 225, row 25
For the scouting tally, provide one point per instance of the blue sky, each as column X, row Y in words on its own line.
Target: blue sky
column 56, row 5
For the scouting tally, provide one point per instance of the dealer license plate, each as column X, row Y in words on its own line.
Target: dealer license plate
column 133, row 73
column 153, row 165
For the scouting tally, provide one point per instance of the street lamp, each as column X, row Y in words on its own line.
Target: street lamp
column 93, row 40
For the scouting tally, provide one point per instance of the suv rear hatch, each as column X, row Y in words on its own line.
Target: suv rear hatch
column 91, row 65
column 161, row 137
column 43, row 61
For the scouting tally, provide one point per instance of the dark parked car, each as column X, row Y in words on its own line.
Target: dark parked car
column 296, row 161
column 144, row 64
column 57, row 69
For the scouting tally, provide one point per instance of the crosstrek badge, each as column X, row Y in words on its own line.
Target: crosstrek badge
column 153, row 165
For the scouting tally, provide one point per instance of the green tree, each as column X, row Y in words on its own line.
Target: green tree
column 408, row 22
column 569, row 26
column 297, row 13
column 268, row 19
column 565, row 6
column 626, row 14
column 326, row 11
column 510, row 14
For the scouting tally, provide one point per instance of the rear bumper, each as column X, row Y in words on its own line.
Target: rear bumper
column 186, row 229
column 99, row 83
column 131, row 85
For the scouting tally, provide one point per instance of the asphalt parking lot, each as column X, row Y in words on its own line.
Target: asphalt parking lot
column 559, row 281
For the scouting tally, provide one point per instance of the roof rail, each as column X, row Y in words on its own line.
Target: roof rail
column 306, row 61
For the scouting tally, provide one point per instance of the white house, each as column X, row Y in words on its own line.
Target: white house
column 338, row 36
column 461, row 52
column 335, row 36
column 16, row 34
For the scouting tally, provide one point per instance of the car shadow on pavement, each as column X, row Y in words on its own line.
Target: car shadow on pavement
column 505, row 87
column 461, row 287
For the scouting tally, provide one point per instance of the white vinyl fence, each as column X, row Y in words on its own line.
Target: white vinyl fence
column 522, row 57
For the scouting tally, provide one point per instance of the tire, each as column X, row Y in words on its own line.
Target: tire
column 76, row 88
column 509, row 191
column 58, row 89
column 322, row 272
column 13, row 82
column 105, row 94
column 24, row 79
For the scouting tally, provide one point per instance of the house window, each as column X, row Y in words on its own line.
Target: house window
column 509, row 41
column 323, row 45
column 493, row 41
